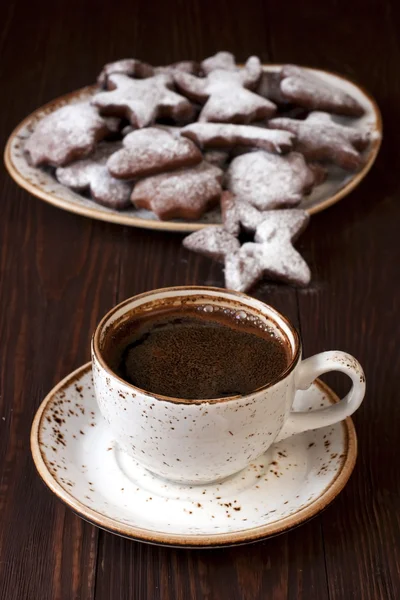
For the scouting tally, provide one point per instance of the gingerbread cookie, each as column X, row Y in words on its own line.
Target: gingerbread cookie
column 66, row 134
column 320, row 138
column 271, row 255
column 311, row 91
column 274, row 249
column 181, row 194
column 268, row 180
column 241, row 268
column 142, row 100
column 213, row 242
column 224, row 135
column 237, row 212
column 225, row 91
column 150, row 151
column 221, row 60
column 127, row 66
column 92, row 174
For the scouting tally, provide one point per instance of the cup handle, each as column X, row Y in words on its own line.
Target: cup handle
column 308, row 370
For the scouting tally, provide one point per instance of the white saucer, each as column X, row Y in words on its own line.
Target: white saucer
column 76, row 457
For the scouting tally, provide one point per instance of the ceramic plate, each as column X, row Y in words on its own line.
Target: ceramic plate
column 43, row 184
column 78, row 460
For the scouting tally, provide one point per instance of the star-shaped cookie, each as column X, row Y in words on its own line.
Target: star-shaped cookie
column 273, row 247
column 141, row 101
column 180, row 194
column 309, row 90
column 271, row 255
column 126, row 66
column 268, row 180
column 321, row 138
column 150, row 151
column 213, row 242
column 237, row 212
column 225, row 90
column 66, row 134
column 92, row 173
column 226, row 135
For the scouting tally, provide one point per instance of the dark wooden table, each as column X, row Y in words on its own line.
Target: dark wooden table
column 59, row 273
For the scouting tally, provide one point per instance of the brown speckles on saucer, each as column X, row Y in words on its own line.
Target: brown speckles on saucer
column 111, row 490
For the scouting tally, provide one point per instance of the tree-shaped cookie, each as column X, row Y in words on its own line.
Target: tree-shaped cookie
column 142, row 101
column 321, row 138
column 92, row 174
column 268, row 180
column 225, row 91
column 66, row 134
column 272, row 255
column 184, row 193
column 226, row 135
column 152, row 150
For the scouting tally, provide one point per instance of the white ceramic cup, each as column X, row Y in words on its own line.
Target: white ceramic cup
column 201, row 441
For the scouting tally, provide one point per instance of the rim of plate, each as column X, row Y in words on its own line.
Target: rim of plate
column 192, row 541
column 177, row 226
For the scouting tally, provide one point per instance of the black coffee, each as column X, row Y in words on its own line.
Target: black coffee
column 197, row 352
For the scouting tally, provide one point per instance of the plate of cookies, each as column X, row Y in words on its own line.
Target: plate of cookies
column 158, row 147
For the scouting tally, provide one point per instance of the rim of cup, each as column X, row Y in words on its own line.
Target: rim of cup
column 110, row 322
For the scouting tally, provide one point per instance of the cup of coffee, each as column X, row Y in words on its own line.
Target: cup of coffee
column 197, row 382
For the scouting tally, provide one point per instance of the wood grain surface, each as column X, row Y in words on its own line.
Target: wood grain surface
column 59, row 273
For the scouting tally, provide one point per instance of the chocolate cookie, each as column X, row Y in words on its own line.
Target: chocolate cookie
column 311, row 91
column 274, row 249
column 66, row 134
column 271, row 255
column 213, row 242
column 127, row 66
column 141, row 101
column 181, row 194
column 237, row 212
column 224, row 135
column 320, row 138
column 270, row 181
column 150, row 151
column 225, row 91
column 92, row 173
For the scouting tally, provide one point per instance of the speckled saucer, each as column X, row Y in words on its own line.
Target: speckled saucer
column 78, row 460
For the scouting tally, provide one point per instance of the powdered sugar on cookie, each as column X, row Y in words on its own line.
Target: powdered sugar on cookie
column 152, row 150
column 269, row 181
column 213, row 242
column 225, row 94
column 224, row 135
column 320, row 138
column 274, row 246
column 142, row 100
column 185, row 193
column 126, row 66
column 304, row 88
column 66, row 134
column 92, row 173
